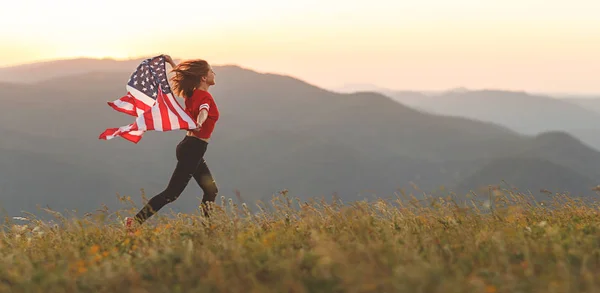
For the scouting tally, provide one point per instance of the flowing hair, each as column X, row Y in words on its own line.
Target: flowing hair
column 187, row 76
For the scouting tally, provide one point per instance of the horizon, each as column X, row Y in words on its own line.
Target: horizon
column 342, row 88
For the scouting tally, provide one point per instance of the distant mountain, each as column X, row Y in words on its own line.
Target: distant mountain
column 367, row 87
column 592, row 104
column 519, row 111
column 522, row 112
column 361, row 87
column 551, row 161
column 276, row 132
column 35, row 72
column 564, row 149
column 527, row 175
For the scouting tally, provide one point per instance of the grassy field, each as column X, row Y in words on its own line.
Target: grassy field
column 404, row 245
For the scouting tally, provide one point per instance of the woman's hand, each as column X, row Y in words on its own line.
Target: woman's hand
column 170, row 60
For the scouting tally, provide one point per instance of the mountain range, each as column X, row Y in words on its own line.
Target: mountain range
column 276, row 133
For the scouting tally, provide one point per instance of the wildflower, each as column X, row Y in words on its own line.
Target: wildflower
column 94, row 249
column 269, row 238
column 79, row 267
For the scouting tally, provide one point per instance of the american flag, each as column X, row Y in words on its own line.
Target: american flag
column 151, row 100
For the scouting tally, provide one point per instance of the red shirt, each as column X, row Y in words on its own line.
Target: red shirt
column 198, row 101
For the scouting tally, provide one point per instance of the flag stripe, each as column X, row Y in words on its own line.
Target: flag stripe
column 164, row 113
column 145, row 100
column 174, row 113
column 131, row 137
column 152, row 121
column 188, row 121
column 123, row 106
column 142, row 103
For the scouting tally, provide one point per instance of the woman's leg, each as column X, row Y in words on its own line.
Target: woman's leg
column 189, row 155
column 206, row 181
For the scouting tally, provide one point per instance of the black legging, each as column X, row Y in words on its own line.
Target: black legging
column 190, row 163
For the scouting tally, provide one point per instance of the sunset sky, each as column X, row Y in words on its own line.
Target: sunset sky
column 532, row 45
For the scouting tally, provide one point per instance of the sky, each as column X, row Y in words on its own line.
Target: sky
column 531, row 45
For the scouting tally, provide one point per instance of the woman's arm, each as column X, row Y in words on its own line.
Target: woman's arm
column 170, row 61
column 202, row 117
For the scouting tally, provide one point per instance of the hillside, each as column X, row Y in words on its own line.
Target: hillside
column 519, row 111
column 529, row 176
column 276, row 133
column 550, row 161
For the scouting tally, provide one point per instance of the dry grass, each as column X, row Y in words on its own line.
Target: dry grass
column 382, row 246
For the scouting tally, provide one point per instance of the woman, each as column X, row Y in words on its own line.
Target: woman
column 191, row 81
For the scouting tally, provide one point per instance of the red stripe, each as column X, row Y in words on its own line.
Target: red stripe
column 182, row 123
column 141, row 105
column 131, row 137
column 149, row 120
column 108, row 132
column 125, row 134
column 164, row 112
column 134, row 126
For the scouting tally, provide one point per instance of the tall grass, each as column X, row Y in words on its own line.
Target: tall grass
column 505, row 243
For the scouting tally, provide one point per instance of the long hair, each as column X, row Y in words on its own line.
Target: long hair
column 187, row 76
